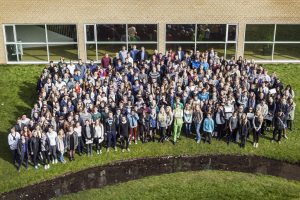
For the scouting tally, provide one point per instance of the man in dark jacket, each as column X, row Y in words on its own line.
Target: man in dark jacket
column 110, row 129
column 278, row 126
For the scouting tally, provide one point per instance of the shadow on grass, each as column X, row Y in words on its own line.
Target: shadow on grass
column 27, row 95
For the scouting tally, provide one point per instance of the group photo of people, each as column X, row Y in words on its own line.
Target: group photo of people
column 136, row 98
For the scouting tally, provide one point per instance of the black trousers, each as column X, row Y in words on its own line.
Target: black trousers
column 243, row 140
column 220, row 130
column 278, row 132
column 162, row 131
column 46, row 157
column 124, row 142
column 207, row 137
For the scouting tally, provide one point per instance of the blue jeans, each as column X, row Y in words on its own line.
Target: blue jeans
column 61, row 157
column 23, row 156
column 188, row 128
column 198, row 126
column 111, row 137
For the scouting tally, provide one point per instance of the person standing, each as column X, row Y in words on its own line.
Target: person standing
column 124, row 129
column 169, row 122
column 162, row 121
column 23, row 151
column 110, row 128
column 278, row 126
column 257, row 126
column 197, row 119
column 99, row 135
column 220, row 122
column 153, row 124
column 188, row 118
column 88, row 132
column 34, row 146
column 72, row 142
column 233, row 128
column 208, row 127
column 61, row 145
column 45, row 147
column 13, row 138
column 133, row 122
column 243, row 129
column 78, row 130
column 178, row 121
column 52, row 135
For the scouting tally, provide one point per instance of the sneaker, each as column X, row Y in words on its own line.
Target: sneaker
column 116, row 149
column 128, row 149
column 135, row 142
column 56, row 161
column 100, row 151
column 36, row 167
column 272, row 141
column 52, row 161
column 45, row 167
column 123, row 150
column 285, row 136
column 48, row 166
column 198, row 141
column 107, row 150
column 279, row 142
column 254, row 144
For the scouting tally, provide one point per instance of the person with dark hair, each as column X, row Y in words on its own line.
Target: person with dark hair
column 88, row 133
column 244, row 129
column 23, row 151
column 110, row 129
column 124, row 136
column 99, row 135
column 279, row 126
column 13, row 138
column 72, row 142
column 52, row 135
column 208, row 127
column 233, row 127
column 34, row 146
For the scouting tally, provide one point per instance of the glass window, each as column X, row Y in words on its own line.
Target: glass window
column 111, row 49
column 91, row 51
column 62, row 33
column 287, row 52
column 31, row 33
column 231, row 33
column 220, row 48
column 211, row 32
column 258, row 51
column 285, row 32
column 180, row 32
column 11, row 52
column 148, row 47
column 90, row 32
column 259, row 32
column 184, row 47
column 32, row 52
column 142, row 32
column 9, row 33
column 111, row 32
column 68, row 51
column 230, row 50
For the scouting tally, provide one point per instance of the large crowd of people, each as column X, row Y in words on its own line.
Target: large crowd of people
column 137, row 97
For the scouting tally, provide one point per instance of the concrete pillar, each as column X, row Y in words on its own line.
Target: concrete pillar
column 240, row 41
column 2, row 47
column 81, row 42
column 162, row 38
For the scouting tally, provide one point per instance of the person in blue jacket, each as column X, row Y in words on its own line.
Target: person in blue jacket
column 208, row 127
column 204, row 95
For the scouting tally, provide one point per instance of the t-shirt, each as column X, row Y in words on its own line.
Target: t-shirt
column 52, row 138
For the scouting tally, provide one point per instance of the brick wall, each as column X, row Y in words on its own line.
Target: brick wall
column 141, row 11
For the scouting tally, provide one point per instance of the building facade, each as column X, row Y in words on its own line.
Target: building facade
column 37, row 31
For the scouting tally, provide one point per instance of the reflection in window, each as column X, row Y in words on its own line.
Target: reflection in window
column 231, row 33
column 9, row 33
column 184, row 47
column 68, row 51
column 259, row 32
column 220, row 48
column 111, row 49
column 90, row 34
column 148, row 47
column 230, row 50
column 31, row 33
column 11, row 52
column 211, row 32
column 258, row 51
column 180, row 32
column 62, row 33
column 142, row 32
column 91, row 51
column 111, row 32
column 287, row 52
column 285, row 32
column 32, row 52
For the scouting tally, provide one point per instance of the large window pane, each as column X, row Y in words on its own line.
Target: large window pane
column 148, row 47
column 111, row 32
column 211, row 32
column 259, row 32
column 184, row 47
column 285, row 32
column 230, row 50
column 231, row 33
column 11, row 52
column 62, row 33
column 68, row 51
column 32, row 52
column 91, row 51
column 90, row 34
column 220, row 48
column 31, row 33
column 180, row 32
column 111, row 49
column 258, row 51
column 287, row 52
column 9, row 33
column 142, row 32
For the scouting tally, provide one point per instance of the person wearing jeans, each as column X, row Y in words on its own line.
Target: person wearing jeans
column 52, row 135
column 197, row 118
column 78, row 130
column 110, row 128
column 133, row 123
column 124, row 129
column 23, row 151
column 208, row 127
column 13, row 138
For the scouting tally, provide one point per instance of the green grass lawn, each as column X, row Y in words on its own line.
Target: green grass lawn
column 17, row 89
column 197, row 185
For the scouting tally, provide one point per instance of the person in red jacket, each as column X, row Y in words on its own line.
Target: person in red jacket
column 105, row 61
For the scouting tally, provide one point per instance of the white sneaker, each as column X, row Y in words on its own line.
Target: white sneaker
column 128, row 149
column 52, row 161
column 135, row 142
column 123, row 150
column 56, row 161
column 116, row 149
column 45, row 167
column 107, row 150
column 256, row 145
column 36, row 167
column 100, row 151
column 48, row 166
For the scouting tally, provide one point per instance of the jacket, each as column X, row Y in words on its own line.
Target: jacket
column 133, row 120
column 34, row 145
column 208, row 125
column 85, row 133
column 68, row 138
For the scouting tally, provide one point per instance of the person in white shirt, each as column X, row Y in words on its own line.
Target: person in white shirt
column 52, row 135
column 59, row 84
column 123, row 54
column 13, row 138
column 78, row 130
column 71, row 67
column 99, row 135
